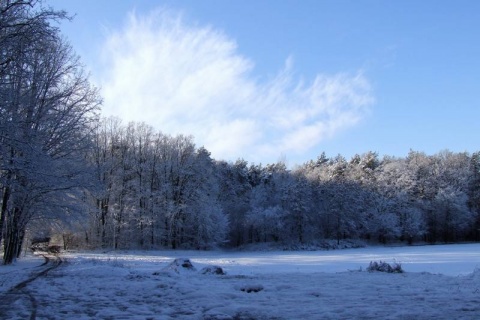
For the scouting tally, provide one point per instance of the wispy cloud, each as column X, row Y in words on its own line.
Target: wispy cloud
column 190, row 79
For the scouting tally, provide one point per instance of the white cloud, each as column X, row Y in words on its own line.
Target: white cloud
column 182, row 78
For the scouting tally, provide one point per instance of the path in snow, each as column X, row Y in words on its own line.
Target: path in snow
column 18, row 301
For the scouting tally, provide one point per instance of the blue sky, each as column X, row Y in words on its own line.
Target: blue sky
column 265, row 80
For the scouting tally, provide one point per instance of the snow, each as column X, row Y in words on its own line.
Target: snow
column 440, row 282
column 10, row 275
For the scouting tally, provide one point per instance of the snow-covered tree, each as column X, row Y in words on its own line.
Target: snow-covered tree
column 266, row 213
column 208, row 224
column 234, row 197
column 47, row 108
column 297, row 203
column 474, row 193
column 450, row 218
column 104, row 158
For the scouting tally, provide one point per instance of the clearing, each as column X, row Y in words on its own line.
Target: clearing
column 440, row 282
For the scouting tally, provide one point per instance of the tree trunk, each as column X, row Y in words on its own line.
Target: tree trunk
column 21, row 237
column 11, row 239
column 174, row 237
column 3, row 213
column 103, row 219
column 152, row 235
column 86, row 238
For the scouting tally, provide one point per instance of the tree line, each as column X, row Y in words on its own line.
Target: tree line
column 106, row 184
column 162, row 191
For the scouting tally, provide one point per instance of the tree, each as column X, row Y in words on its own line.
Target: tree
column 209, row 225
column 234, row 197
column 102, row 157
column 451, row 216
column 474, row 193
column 297, row 200
column 46, row 112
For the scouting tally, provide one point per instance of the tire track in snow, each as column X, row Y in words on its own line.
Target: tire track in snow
column 19, row 296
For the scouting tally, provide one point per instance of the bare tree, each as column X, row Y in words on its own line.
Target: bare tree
column 47, row 110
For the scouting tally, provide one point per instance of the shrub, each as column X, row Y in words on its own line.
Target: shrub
column 383, row 266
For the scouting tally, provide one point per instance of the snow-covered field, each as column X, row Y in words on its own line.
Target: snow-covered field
column 440, row 282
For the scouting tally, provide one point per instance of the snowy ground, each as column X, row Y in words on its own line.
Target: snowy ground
column 440, row 282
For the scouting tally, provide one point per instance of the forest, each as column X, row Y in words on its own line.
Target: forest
column 156, row 190
column 101, row 183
